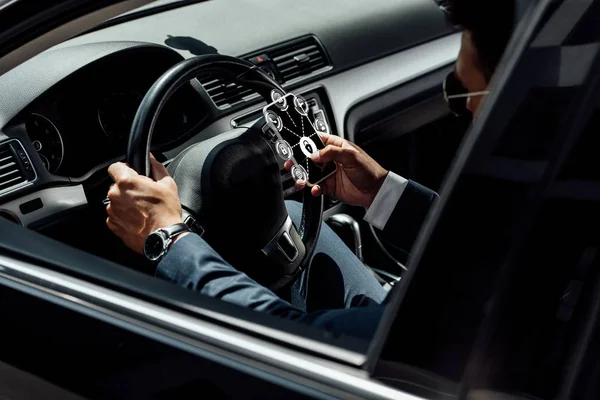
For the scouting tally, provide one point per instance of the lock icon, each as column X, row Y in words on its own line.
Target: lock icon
column 308, row 146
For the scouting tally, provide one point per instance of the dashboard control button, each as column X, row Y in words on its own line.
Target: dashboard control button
column 284, row 150
column 259, row 59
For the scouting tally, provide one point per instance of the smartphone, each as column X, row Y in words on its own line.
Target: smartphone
column 298, row 138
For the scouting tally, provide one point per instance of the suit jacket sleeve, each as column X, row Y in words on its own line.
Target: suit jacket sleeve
column 193, row 264
column 408, row 216
column 399, row 210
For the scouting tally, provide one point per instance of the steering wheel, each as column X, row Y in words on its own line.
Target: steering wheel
column 230, row 186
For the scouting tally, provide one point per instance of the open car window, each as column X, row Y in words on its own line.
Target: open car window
column 59, row 257
column 471, row 313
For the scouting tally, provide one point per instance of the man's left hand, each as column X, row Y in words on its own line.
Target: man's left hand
column 139, row 205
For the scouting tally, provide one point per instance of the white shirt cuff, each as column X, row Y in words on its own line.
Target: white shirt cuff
column 385, row 202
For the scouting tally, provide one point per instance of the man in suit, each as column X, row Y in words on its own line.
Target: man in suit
column 395, row 205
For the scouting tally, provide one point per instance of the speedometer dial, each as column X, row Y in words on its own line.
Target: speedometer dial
column 116, row 113
column 46, row 140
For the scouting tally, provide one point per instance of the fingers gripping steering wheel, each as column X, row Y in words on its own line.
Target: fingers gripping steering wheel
column 231, row 185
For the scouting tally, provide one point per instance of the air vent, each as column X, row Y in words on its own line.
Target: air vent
column 291, row 61
column 226, row 94
column 10, row 173
column 15, row 167
column 299, row 59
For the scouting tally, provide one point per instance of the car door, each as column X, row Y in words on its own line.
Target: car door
column 51, row 350
column 55, row 344
column 409, row 130
column 501, row 299
column 74, row 325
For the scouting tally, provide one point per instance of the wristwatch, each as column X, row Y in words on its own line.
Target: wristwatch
column 158, row 242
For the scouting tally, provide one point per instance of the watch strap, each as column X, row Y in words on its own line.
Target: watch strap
column 175, row 229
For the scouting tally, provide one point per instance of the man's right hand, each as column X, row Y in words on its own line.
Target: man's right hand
column 358, row 177
column 140, row 205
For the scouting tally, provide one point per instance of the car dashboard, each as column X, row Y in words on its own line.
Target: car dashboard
column 84, row 121
column 65, row 114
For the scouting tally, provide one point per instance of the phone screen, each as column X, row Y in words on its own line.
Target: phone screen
column 287, row 116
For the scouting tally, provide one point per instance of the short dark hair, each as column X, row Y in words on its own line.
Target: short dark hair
column 491, row 24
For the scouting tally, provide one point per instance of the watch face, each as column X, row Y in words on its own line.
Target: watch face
column 154, row 246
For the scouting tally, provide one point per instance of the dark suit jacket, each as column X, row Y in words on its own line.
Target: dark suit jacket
column 193, row 264
column 408, row 216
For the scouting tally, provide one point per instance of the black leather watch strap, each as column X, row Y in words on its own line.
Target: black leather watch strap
column 175, row 229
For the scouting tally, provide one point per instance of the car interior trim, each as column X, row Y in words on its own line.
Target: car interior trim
column 342, row 90
column 342, row 93
column 163, row 323
column 388, row 73
column 55, row 200
column 22, row 86
column 382, row 75
column 403, row 109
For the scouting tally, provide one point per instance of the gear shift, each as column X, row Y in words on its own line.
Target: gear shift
column 348, row 230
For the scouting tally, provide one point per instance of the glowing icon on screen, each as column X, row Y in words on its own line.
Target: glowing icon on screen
column 307, row 146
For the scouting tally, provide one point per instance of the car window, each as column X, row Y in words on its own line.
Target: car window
column 508, row 311
column 75, row 121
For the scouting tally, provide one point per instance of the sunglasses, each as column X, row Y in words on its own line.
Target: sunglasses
column 456, row 95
